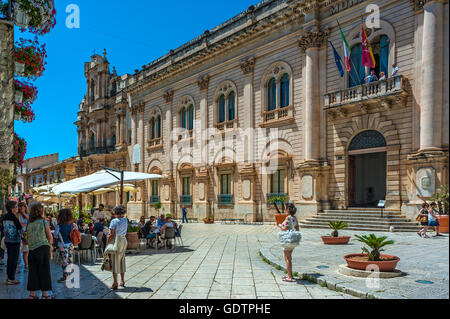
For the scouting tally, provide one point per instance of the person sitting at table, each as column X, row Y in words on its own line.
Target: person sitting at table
column 99, row 214
column 169, row 224
column 161, row 221
column 141, row 225
column 98, row 231
column 150, row 231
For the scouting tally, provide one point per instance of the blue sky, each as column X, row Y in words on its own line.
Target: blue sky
column 134, row 33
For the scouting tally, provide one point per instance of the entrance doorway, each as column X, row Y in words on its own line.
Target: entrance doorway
column 367, row 169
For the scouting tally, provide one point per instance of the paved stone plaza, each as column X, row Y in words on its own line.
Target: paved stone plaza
column 222, row 261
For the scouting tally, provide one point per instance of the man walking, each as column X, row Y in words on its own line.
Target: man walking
column 184, row 211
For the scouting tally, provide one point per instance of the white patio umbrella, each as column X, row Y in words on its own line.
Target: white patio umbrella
column 98, row 180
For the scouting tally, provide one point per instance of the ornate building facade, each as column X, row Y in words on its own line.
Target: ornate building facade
column 256, row 108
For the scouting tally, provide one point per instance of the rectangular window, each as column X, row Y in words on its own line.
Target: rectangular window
column 186, row 186
column 155, row 187
column 277, row 182
column 225, row 184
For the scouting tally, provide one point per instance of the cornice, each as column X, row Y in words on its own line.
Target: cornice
column 313, row 39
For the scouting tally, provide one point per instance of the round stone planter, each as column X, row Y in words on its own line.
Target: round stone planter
column 345, row 270
column 208, row 221
column 132, row 240
column 383, row 266
column 341, row 240
column 280, row 218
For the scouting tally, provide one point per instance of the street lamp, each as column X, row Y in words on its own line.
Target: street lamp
column 107, row 169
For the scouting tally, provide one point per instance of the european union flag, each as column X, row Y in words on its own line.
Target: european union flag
column 338, row 60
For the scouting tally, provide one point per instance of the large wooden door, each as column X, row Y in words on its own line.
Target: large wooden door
column 351, row 180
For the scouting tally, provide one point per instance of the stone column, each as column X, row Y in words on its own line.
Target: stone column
column 133, row 126
column 122, row 129
column 117, row 130
column 141, row 115
column 432, row 77
column 200, row 151
column 248, row 67
column 98, row 134
column 87, row 139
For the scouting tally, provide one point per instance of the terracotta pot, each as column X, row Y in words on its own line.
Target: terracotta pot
column 208, row 221
column 132, row 240
column 383, row 266
column 279, row 218
column 443, row 223
column 341, row 240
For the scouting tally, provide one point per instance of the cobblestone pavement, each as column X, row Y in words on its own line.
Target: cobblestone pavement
column 217, row 261
column 420, row 260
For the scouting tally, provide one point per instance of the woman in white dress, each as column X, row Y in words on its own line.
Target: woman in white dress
column 290, row 238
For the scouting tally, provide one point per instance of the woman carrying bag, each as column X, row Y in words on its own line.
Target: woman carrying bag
column 116, row 246
column 289, row 237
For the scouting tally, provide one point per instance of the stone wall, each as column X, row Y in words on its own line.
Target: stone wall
column 6, row 92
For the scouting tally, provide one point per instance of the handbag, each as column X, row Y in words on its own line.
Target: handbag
column 112, row 248
column 75, row 236
column 289, row 238
column 107, row 263
column 422, row 219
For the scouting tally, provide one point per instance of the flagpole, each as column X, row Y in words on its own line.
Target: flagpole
column 351, row 60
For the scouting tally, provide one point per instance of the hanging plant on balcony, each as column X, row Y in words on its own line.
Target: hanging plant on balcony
column 28, row 90
column 32, row 56
column 24, row 113
column 20, row 149
column 35, row 16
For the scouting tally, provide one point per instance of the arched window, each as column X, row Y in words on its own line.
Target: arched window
column 113, row 88
column 231, row 106
column 357, row 74
column 190, row 117
column 183, row 117
column 380, row 48
column 92, row 90
column 367, row 139
column 284, row 91
column 152, row 128
column 92, row 141
column 158, row 126
column 271, row 94
column 221, row 103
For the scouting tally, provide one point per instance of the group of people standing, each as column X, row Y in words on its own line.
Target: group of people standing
column 27, row 227
column 372, row 77
column 428, row 217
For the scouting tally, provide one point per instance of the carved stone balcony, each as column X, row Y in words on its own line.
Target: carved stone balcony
column 383, row 93
column 227, row 125
column 154, row 144
column 278, row 116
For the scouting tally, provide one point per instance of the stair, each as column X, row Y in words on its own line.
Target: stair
column 364, row 219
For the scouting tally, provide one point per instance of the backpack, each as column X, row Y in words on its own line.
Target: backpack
column 75, row 236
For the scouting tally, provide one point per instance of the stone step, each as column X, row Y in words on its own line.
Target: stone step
column 365, row 228
column 365, row 219
column 356, row 224
column 361, row 215
column 353, row 212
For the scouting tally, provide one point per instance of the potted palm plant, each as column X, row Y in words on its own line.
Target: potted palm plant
column 442, row 199
column 334, row 238
column 385, row 263
column 280, row 216
column 132, row 237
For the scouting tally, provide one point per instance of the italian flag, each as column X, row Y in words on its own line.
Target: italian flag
column 346, row 51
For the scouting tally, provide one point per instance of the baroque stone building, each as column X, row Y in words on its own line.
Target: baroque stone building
column 256, row 108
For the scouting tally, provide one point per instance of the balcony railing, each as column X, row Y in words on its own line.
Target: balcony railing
column 155, row 143
column 278, row 115
column 226, row 125
column 373, row 90
column 225, row 199
column 154, row 199
column 98, row 150
column 272, row 195
column 186, row 199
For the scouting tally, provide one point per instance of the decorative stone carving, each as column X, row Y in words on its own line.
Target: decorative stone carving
column 166, row 192
column 426, row 182
column 168, row 96
column 246, row 189
column 201, row 191
column 418, row 4
column 313, row 39
column 307, row 186
column 364, row 108
column 141, row 107
column 203, row 82
column 248, row 65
